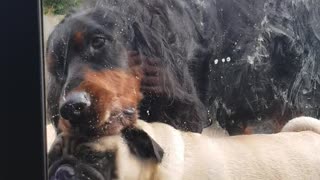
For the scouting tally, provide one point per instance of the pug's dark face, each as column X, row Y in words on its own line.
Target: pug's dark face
column 74, row 158
column 91, row 166
column 70, row 160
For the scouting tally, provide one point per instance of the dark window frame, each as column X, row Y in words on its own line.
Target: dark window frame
column 24, row 131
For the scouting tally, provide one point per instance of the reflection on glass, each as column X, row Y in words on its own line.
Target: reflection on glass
column 130, row 85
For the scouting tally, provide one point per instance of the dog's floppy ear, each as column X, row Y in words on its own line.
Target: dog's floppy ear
column 142, row 145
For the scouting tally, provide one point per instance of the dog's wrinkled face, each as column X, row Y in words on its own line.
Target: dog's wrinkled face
column 68, row 161
column 102, row 104
column 132, row 154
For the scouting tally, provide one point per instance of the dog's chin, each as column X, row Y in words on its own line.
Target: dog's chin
column 113, row 125
column 106, row 129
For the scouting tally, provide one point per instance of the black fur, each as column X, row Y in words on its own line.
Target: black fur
column 142, row 145
column 275, row 70
column 273, row 47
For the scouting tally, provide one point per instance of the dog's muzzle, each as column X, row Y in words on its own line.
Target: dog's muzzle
column 65, row 172
column 74, row 106
column 70, row 168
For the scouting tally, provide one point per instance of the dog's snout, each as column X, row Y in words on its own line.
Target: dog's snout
column 65, row 172
column 75, row 106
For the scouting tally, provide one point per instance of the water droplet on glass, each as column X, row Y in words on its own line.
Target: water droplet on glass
column 304, row 91
column 250, row 59
column 259, row 118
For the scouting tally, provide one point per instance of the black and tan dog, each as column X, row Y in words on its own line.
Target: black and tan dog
column 114, row 144
column 238, row 61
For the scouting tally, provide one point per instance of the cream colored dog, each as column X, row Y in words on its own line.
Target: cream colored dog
column 156, row 151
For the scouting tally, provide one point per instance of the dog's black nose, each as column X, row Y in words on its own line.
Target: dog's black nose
column 74, row 106
column 65, row 172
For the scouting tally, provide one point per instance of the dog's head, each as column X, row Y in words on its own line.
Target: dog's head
column 90, row 41
column 102, row 104
column 94, row 87
column 96, row 39
column 82, row 41
column 132, row 154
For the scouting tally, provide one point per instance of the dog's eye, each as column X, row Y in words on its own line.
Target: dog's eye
column 98, row 42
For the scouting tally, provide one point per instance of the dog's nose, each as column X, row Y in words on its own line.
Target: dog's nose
column 75, row 105
column 65, row 172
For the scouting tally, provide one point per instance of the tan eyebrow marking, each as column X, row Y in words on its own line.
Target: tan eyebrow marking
column 78, row 38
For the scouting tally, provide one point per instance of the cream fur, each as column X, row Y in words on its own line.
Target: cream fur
column 191, row 156
column 51, row 135
column 302, row 124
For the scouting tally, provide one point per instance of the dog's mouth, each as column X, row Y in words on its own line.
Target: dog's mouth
column 112, row 123
column 116, row 121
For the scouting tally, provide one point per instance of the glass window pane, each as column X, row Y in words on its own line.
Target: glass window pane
column 153, row 89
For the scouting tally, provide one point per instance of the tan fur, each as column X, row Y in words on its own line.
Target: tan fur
column 191, row 156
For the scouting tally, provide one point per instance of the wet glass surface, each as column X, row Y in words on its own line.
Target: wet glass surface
column 221, row 67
